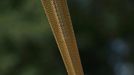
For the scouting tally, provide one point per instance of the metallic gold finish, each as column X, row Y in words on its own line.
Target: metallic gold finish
column 60, row 21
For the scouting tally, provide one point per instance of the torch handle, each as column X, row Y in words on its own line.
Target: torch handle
column 59, row 18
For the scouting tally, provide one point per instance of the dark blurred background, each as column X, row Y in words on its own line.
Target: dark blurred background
column 104, row 31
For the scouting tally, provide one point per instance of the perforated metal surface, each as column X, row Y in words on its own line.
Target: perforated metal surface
column 59, row 19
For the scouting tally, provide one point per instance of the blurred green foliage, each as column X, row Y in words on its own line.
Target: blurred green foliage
column 27, row 46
